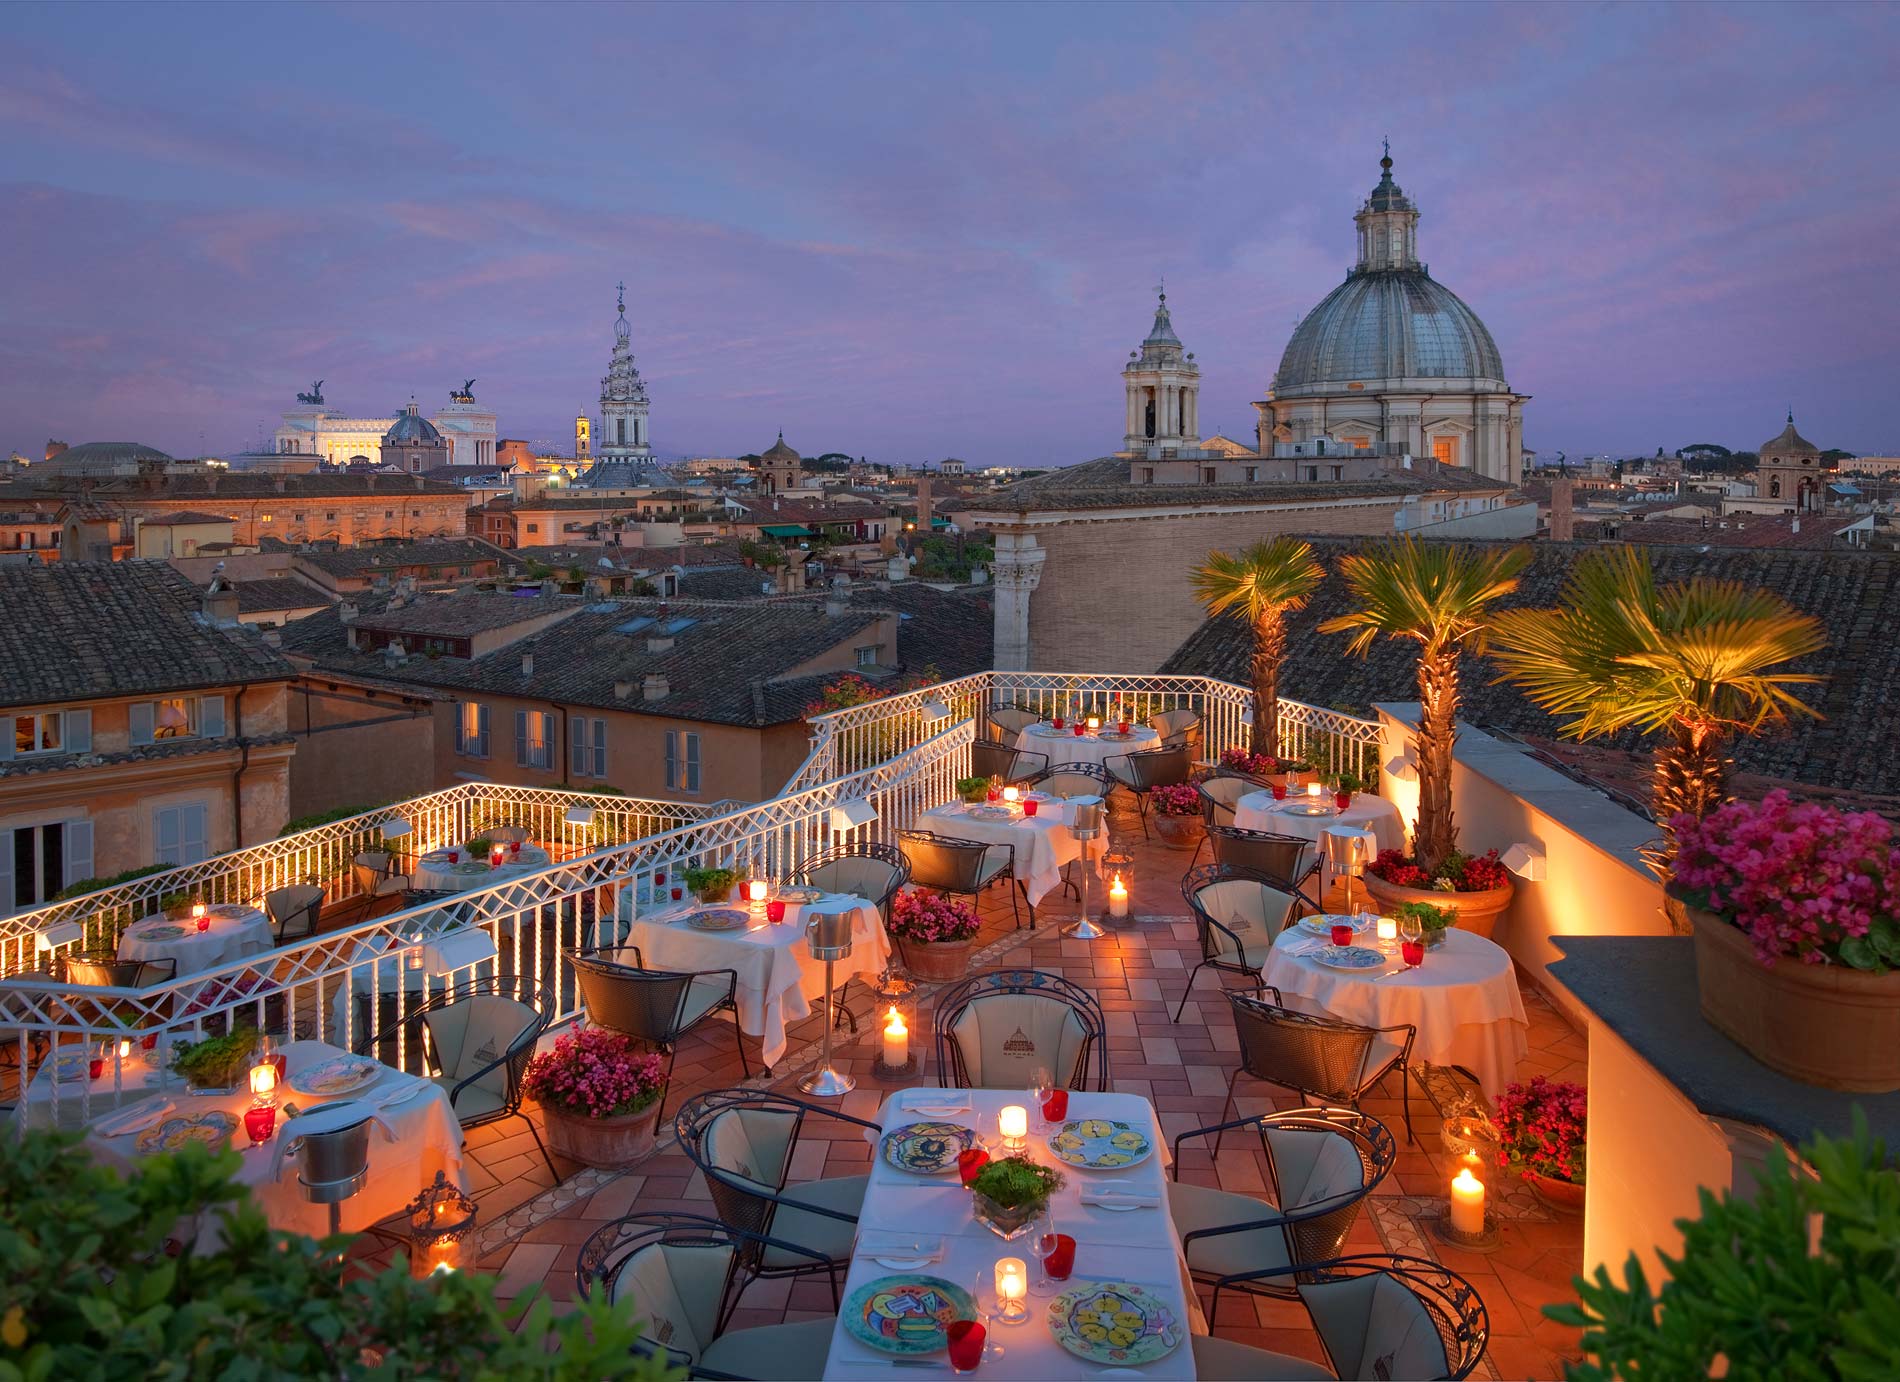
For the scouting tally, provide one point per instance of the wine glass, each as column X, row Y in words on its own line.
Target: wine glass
column 1412, row 941
column 1041, row 1081
column 1042, row 1242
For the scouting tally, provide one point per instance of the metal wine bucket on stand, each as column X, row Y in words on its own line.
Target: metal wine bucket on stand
column 1088, row 823
column 828, row 935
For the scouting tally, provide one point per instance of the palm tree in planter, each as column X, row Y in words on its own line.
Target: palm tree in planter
column 1697, row 662
column 1438, row 595
column 1261, row 585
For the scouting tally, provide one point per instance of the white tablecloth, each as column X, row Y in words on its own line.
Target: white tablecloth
column 777, row 975
column 438, row 875
column 235, row 931
column 1043, row 843
column 1139, row 1246
column 1463, row 1000
column 1259, row 811
column 428, row 1139
column 1065, row 748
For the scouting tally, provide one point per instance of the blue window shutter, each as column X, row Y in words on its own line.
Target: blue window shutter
column 141, row 717
column 8, row 905
column 481, row 749
column 78, row 854
column 193, row 846
column 521, row 737
column 211, row 717
column 78, row 733
column 600, row 748
column 672, row 761
column 546, row 759
column 165, row 833
column 7, row 731
column 692, row 762
column 577, row 745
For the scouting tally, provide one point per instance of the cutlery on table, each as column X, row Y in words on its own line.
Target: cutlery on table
column 1120, row 1199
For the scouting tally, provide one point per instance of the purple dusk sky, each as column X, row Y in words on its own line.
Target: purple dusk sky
column 915, row 232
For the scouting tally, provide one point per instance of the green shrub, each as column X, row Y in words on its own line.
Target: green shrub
column 91, row 1292
column 317, row 818
column 1798, row 1283
column 93, row 885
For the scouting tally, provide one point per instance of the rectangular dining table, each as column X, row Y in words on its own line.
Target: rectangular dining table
column 1139, row 1246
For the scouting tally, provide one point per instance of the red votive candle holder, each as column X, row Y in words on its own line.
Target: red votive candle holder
column 1055, row 1105
column 659, row 878
column 1061, row 1259
column 204, row 922
column 992, row 796
column 260, row 1121
column 149, row 1042
column 1343, row 800
column 1030, row 804
column 455, row 856
column 514, row 847
column 1121, row 727
column 1058, row 722
column 96, row 1067
column 969, row 1161
column 965, row 1339
column 775, row 910
column 1080, row 729
column 1279, row 791
column 1342, row 933
column 1413, row 952
column 678, row 893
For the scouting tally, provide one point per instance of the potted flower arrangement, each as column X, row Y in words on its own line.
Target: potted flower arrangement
column 1275, row 771
column 1434, row 922
column 936, row 930
column 1475, row 888
column 600, row 1095
column 973, row 789
column 1011, row 1191
column 1540, row 1131
column 1177, row 814
column 711, row 885
column 1796, row 915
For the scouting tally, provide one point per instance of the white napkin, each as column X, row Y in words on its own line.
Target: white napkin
column 138, row 1118
column 396, row 1093
column 1120, row 1199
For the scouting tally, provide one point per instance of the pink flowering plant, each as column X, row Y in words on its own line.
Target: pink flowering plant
column 1261, row 764
column 1540, row 1129
column 926, row 917
column 1180, row 799
column 595, row 1073
column 1803, row 880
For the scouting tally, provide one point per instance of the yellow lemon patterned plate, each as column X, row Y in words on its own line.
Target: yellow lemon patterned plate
column 213, row 1129
column 1100, row 1144
column 1115, row 1322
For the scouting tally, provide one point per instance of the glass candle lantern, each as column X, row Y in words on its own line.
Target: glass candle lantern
column 1012, row 1288
column 440, row 1219
column 264, row 1082
column 1012, row 1125
column 1388, row 930
column 896, row 1039
column 1012, row 795
column 197, row 910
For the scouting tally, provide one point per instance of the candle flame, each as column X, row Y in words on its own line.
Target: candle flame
column 1466, row 1182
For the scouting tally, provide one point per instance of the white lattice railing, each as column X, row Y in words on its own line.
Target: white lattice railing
column 323, row 855
column 845, row 740
column 347, row 985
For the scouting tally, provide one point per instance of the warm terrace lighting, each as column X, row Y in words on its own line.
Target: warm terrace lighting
column 197, row 910
column 1013, row 1123
column 1118, row 897
column 1095, row 723
column 1313, row 789
column 755, row 890
column 1467, row 1204
column 1010, row 795
column 1012, row 1284
column 896, row 1040
column 263, row 1081
column 1388, row 928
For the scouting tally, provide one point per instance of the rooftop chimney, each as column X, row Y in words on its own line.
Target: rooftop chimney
column 623, row 689
column 394, row 651
column 273, row 639
column 1563, row 525
column 221, row 606
column 655, row 688
column 835, row 606
column 659, row 644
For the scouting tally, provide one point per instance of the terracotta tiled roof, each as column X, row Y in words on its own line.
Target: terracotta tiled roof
column 1736, row 530
column 1856, row 747
column 465, row 612
column 1103, row 484
column 76, row 631
column 369, row 559
column 184, row 517
column 281, row 592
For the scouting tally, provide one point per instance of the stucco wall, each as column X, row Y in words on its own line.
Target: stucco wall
column 1114, row 592
column 356, row 748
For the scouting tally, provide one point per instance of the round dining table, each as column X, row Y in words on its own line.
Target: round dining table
column 1259, row 811
column 1463, row 999
column 235, row 931
column 1064, row 747
column 434, row 873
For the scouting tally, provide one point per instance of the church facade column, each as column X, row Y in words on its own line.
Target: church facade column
column 1017, row 568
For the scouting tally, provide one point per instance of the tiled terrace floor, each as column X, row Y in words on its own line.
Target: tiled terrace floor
column 532, row 1230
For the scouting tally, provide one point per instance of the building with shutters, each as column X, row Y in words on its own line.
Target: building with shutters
column 143, row 725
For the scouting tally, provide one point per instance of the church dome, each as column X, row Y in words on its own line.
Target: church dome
column 1789, row 443
column 779, row 451
column 102, row 458
column 1389, row 324
column 412, row 429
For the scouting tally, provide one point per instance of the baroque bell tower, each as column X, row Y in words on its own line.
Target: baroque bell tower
column 1162, row 385
column 623, row 399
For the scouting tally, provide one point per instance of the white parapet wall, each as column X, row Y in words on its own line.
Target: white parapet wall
column 1594, row 882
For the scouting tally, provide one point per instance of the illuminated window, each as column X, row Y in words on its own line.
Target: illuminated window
column 175, row 718
column 36, row 733
column 1445, row 450
column 263, row 518
column 1357, row 443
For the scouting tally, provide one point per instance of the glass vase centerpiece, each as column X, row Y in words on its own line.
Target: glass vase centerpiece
column 1009, row 1192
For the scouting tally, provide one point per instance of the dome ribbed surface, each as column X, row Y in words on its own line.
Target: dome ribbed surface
column 1389, row 324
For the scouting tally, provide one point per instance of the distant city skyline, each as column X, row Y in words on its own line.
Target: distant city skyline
column 911, row 233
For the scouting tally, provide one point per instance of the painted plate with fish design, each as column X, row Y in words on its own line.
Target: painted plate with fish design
column 927, row 1149
column 1100, row 1144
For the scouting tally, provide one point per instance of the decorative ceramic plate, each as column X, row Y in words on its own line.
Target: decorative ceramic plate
column 800, row 894
column 1115, row 736
column 157, row 932
column 1115, row 1322
column 1347, row 957
column 927, row 1149
column 905, row 1314
column 1050, row 732
column 986, row 812
column 1309, row 808
column 436, row 856
column 236, row 910
column 726, row 919
column 470, row 868
column 1100, row 1144
column 213, row 1129
column 1323, row 925
column 338, row 1076
column 73, row 1065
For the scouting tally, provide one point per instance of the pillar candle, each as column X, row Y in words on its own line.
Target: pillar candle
column 1012, row 1285
column 1118, row 898
column 1010, row 794
column 1467, row 1204
column 755, row 890
column 1388, row 928
column 1012, row 1123
column 896, row 1040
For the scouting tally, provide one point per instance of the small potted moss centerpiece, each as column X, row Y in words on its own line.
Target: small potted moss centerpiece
column 973, row 789
column 1435, row 923
column 711, row 885
column 220, row 1062
column 1010, row 1192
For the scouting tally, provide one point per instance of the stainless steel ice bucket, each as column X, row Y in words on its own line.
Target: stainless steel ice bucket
column 829, row 935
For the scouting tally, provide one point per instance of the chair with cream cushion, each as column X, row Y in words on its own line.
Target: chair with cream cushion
column 1178, row 729
column 482, row 1034
column 675, row 1273
column 376, row 876
column 1237, row 913
column 744, row 1142
column 656, row 1006
column 503, row 835
column 293, row 911
column 1219, row 794
column 1008, row 721
column 1321, row 1166
column 1383, row 1316
column 947, row 864
column 1318, row 1055
column 1290, row 858
column 993, row 1030
column 1146, row 769
column 1076, row 780
column 991, row 758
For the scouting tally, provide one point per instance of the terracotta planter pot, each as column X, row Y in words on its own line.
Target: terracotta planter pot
column 1477, row 913
column 1179, row 832
column 1566, row 1197
column 609, row 1143
column 1824, row 1025
column 938, row 960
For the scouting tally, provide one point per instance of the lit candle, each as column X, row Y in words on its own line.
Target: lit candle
column 1012, row 1285
column 1118, row 897
column 1313, row 789
column 756, row 890
column 1467, row 1204
column 263, row 1081
column 1012, row 1123
column 125, row 1048
column 1388, row 928
column 197, row 910
column 896, row 1040
column 1010, row 795
column 1095, row 723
